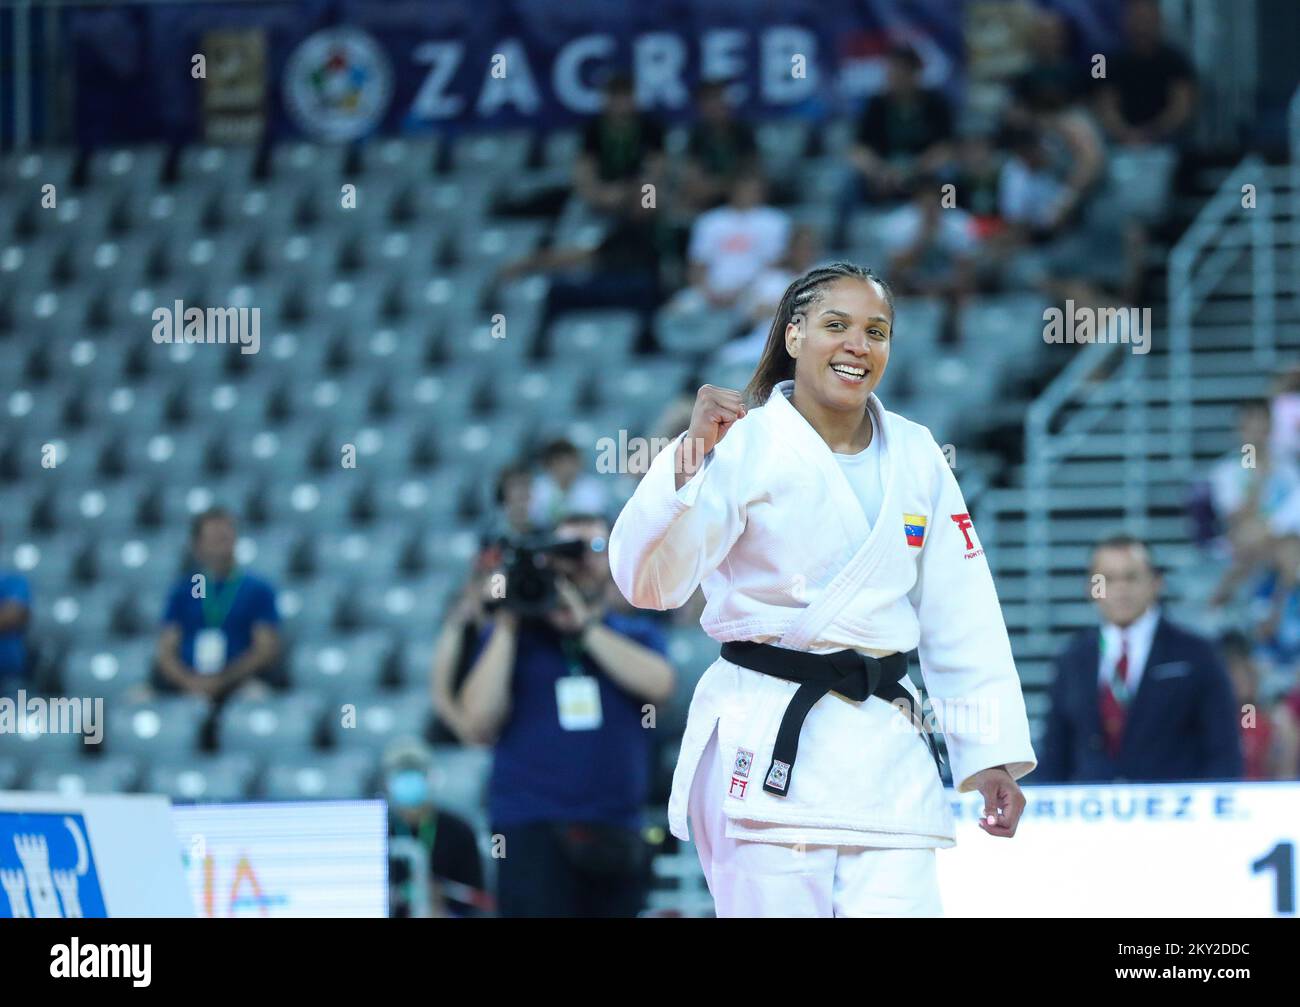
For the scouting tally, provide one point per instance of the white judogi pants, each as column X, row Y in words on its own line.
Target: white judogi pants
column 755, row 879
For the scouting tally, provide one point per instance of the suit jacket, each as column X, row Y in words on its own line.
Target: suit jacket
column 1182, row 724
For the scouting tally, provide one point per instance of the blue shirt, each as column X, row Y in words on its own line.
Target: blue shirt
column 252, row 603
column 13, row 645
column 543, row 773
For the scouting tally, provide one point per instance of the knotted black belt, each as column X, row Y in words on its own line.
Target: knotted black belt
column 854, row 676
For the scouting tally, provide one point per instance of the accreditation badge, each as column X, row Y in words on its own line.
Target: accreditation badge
column 577, row 697
column 209, row 651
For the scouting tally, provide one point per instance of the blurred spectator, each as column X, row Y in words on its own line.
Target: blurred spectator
column 931, row 248
column 1140, row 699
column 620, row 271
column 15, row 613
column 220, row 628
column 1255, row 506
column 447, row 843
column 732, row 245
column 563, row 488
column 1268, row 742
column 761, row 299
column 512, row 516
column 1053, row 66
column 1149, row 91
column 904, row 130
column 453, row 653
column 979, row 169
column 622, row 150
column 720, row 148
column 1286, row 416
column 1287, row 719
column 1058, row 240
column 563, row 691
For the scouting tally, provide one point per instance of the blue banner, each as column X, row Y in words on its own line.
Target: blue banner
column 342, row 70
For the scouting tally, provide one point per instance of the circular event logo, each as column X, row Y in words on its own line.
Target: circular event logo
column 337, row 83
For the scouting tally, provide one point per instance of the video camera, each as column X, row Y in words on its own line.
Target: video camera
column 530, row 567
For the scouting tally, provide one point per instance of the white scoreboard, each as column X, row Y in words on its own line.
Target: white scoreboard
column 1141, row 850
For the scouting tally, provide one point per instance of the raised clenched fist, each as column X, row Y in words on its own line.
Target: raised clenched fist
column 716, row 409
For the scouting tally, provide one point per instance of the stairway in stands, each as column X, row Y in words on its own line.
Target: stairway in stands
column 1121, row 452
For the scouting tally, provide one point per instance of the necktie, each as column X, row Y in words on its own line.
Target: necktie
column 1112, row 707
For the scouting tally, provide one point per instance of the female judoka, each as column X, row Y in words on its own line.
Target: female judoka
column 830, row 538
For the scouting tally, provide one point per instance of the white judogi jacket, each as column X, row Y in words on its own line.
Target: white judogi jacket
column 773, row 531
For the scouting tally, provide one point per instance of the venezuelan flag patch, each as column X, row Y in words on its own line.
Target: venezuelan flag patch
column 914, row 529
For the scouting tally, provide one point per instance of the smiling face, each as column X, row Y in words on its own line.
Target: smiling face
column 841, row 346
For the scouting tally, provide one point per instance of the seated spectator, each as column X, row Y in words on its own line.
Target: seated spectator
column 979, row 168
column 15, row 613
column 1268, row 741
column 904, row 130
column 220, row 630
column 447, row 842
column 1148, row 95
column 622, row 150
column 1139, row 698
column 1056, row 240
column 1285, row 409
column 621, row 270
column 720, row 148
column 512, row 516
column 731, row 245
column 1287, row 718
column 563, row 695
column 931, row 248
column 1255, row 499
column 562, row 487
column 763, row 296
column 1053, row 67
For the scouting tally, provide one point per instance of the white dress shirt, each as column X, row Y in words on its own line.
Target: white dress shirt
column 1138, row 636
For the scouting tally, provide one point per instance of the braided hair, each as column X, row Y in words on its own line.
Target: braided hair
column 776, row 364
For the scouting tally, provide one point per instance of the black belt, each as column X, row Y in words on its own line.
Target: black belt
column 854, row 676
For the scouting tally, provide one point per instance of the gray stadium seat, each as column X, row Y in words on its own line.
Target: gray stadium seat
column 609, row 333
column 158, row 729
column 275, row 726
column 107, row 774
column 226, row 777
column 381, row 718
column 320, row 776
column 108, row 669
column 10, row 773
column 459, row 778
column 695, row 332
column 343, row 667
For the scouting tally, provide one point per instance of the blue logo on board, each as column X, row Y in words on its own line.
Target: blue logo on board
column 46, row 867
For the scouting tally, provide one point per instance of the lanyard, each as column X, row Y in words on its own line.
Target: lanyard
column 215, row 609
column 573, row 656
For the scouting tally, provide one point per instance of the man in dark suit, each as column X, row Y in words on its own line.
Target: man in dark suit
column 1140, row 698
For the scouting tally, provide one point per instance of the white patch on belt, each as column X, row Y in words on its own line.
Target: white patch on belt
column 779, row 774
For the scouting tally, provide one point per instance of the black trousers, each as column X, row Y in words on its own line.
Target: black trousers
column 536, row 878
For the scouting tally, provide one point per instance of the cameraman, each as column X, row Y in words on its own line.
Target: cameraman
column 563, row 697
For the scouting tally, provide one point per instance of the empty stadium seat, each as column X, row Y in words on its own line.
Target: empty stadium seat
column 107, row 774
column 167, row 727
column 226, row 777
column 343, row 667
column 376, row 720
column 275, row 726
column 337, row 776
column 110, row 669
